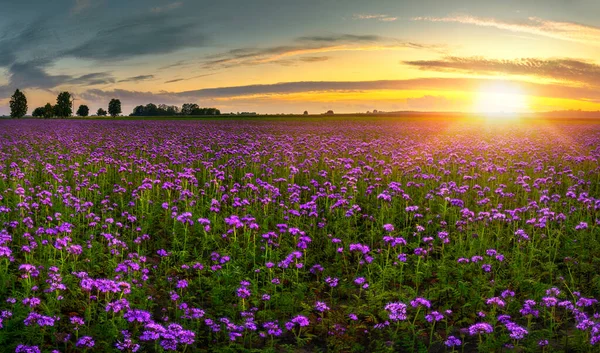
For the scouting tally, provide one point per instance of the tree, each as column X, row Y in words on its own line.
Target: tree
column 114, row 107
column 48, row 111
column 64, row 106
column 83, row 110
column 38, row 112
column 101, row 112
column 188, row 108
column 306, row 112
column 18, row 105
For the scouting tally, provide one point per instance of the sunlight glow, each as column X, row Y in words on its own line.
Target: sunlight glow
column 500, row 99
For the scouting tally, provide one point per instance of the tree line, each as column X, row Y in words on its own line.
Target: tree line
column 64, row 108
column 152, row 109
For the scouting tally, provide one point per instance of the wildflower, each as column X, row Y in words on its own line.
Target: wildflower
column 396, row 311
column 85, row 342
column 321, row 307
column 480, row 328
column 452, row 341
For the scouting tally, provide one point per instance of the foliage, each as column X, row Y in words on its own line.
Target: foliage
column 114, row 107
column 18, row 105
column 83, row 110
column 64, row 105
column 101, row 112
column 49, row 111
column 151, row 109
column 38, row 112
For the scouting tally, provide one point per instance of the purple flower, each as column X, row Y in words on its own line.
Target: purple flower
column 396, row 311
column 332, row 282
column 480, row 328
column 27, row 349
column 434, row 316
column 420, row 302
column 137, row 315
column 85, row 342
column 321, row 307
column 243, row 292
column 452, row 341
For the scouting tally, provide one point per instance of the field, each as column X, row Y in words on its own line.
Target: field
column 298, row 235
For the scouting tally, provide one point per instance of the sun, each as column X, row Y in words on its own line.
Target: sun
column 500, row 99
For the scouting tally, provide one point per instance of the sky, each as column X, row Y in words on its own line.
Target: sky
column 282, row 56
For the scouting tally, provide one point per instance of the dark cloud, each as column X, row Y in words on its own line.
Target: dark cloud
column 175, row 80
column 340, row 38
column 33, row 74
column 439, row 84
column 188, row 78
column 147, row 34
column 17, row 38
column 138, row 78
column 96, row 78
column 302, row 46
column 558, row 69
column 312, row 59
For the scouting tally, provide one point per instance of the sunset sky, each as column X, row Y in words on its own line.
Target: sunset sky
column 285, row 56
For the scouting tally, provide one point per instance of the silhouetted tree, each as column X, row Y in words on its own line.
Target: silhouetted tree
column 48, row 111
column 64, row 106
column 101, row 112
column 306, row 112
column 188, row 108
column 83, row 110
column 114, row 107
column 18, row 105
column 38, row 112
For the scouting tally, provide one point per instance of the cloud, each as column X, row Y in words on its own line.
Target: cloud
column 137, row 78
column 80, row 5
column 188, row 78
column 429, row 102
column 307, row 45
column 168, row 7
column 145, row 34
column 433, row 83
column 269, row 96
column 569, row 31
column 96, row 78
column 558, row 69
column 378, row 17
column 336, row 38
column 312, row 59
column 18, row 39
column 33, row 74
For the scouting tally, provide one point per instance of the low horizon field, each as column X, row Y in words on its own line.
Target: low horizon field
column 266, row 234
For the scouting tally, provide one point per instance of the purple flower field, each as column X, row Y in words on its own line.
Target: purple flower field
column 258, row 235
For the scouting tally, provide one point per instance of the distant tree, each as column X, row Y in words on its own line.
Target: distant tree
column 18, row 105
column 48, row 111
column 188, row 108
column 172, row 110
column 138, row 111
column 83, row 110
column 38, row 112
column 306, row 112
column 114, row 107
column 101, row 112
column 329, row 112
column 64, row 106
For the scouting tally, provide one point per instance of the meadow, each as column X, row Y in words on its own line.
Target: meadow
column 299, row 235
